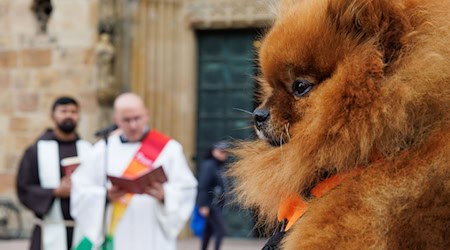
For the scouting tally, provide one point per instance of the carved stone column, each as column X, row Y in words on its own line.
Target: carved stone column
column 157, row 40
column 113, row 53
column 107, row 84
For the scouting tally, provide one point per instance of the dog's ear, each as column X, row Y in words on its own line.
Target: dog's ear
column 384, row 20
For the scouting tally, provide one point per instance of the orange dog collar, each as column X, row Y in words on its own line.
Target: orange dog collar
column 293, row 207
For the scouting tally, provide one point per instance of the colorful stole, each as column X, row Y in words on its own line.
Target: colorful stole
column 151, row 147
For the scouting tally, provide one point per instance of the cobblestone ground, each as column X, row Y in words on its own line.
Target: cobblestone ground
column 185, row 244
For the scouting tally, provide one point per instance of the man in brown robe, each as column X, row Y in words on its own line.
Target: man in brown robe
column 43, row 185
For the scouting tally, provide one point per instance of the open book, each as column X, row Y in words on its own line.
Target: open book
column 138, row 184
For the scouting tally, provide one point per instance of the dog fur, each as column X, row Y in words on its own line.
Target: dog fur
column 380, row 85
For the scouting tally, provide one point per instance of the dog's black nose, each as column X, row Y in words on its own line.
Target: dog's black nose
column 260, row 116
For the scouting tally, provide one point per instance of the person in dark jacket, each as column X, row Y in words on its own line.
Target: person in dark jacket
column 211, row 194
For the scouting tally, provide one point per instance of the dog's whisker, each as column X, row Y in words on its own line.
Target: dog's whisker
column 286, row 127
column 243, row 110
column 246, row 127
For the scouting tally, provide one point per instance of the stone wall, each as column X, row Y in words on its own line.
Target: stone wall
column 35, row 68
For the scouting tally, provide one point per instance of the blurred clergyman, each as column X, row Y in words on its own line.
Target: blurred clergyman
column 150, row 219
column 43, row 182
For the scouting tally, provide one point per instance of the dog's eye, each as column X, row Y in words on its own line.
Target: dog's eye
column 301, row 87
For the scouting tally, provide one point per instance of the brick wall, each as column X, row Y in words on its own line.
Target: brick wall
column 36, row 68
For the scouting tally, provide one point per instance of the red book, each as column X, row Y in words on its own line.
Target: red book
column 69, row 164
column 138, row 184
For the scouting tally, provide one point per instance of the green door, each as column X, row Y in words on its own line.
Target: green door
column 226, row 86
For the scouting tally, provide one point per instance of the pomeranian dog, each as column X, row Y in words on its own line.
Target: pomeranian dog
column 356, row 91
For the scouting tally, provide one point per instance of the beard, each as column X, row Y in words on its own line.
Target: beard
column 67, row 126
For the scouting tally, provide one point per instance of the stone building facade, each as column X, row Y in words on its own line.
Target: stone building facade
column 163, row 59
column 153, row 51
column 36, row 67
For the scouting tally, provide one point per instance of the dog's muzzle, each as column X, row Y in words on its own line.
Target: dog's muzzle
column 260, row 117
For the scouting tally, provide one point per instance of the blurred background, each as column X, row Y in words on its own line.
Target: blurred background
column 193, row 62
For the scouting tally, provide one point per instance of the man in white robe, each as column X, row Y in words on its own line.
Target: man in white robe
column 151, row 220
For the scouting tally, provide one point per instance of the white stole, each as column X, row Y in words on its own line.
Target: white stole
column 53, row 228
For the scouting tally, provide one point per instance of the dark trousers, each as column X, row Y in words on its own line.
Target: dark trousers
column 214, row 225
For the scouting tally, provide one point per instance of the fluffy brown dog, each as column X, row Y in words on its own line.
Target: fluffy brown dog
column 347, row 84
